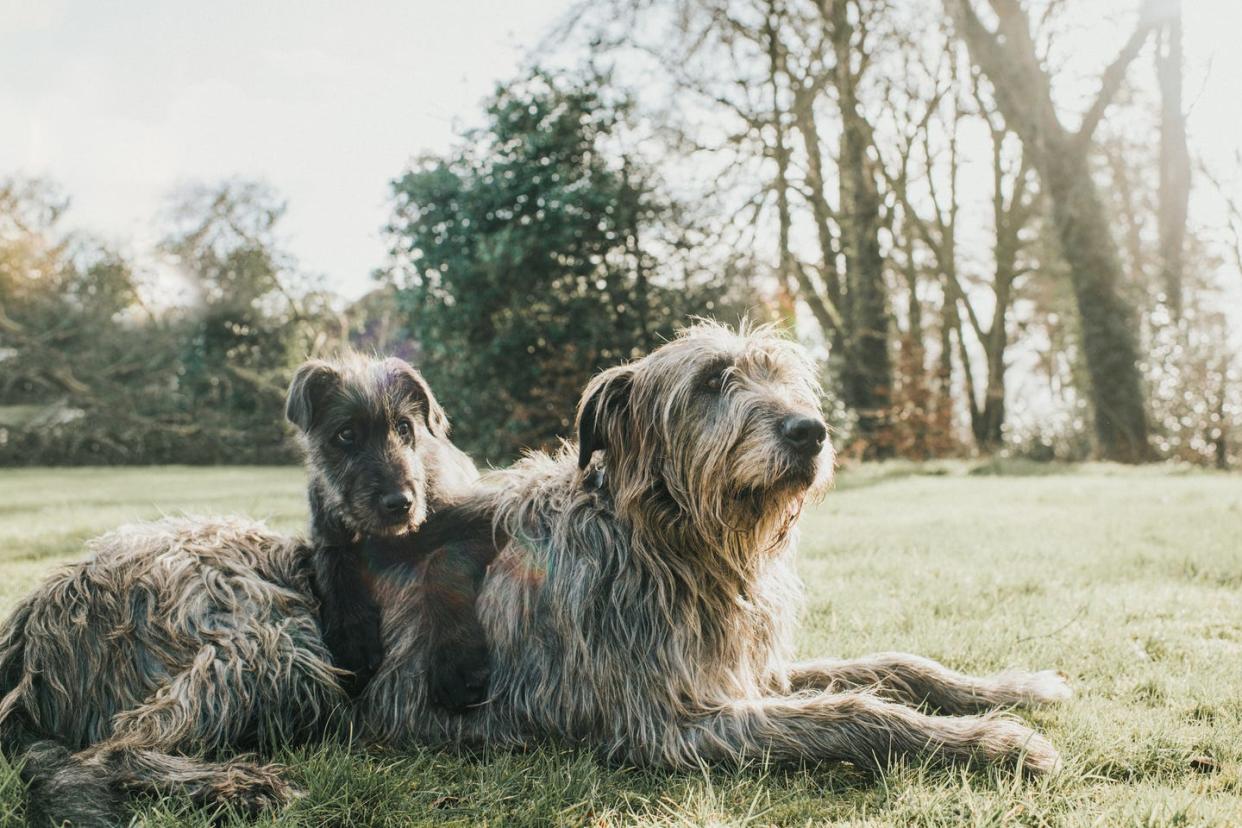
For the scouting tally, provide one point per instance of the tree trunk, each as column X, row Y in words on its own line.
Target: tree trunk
column 825, row 308
column 868, row 373
column 804, row 122
column 1174, row 190
column 1106, row 319
column 1024, row 96
column 786, row 275
column 989, row 433
column 942, row 416
column 913, row 407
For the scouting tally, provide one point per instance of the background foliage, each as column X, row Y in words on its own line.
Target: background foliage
column 786, row 160
column 546, row 190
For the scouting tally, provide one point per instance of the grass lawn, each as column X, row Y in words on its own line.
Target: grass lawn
column 1128, row 580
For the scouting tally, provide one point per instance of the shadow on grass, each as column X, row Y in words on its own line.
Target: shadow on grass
column 543, row 786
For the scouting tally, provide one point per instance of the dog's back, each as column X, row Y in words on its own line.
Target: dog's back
column 99, row 637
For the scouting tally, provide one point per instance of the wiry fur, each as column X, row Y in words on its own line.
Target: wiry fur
column 643, row 600
column 179, row 643
column 186, row 637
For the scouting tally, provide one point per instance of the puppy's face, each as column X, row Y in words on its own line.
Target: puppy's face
column 366, row 426
column 727, row 423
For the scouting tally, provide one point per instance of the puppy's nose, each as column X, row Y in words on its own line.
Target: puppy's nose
column 805, row 434
column 397, row 503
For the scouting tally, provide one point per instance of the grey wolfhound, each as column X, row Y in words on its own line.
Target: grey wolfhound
column 181, row 640
column 643, row 599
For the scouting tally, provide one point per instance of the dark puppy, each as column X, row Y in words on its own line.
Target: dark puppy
column 380, row 464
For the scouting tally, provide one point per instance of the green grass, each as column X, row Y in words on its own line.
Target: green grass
column 1128, row 580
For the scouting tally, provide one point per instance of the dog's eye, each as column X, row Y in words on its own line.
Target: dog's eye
column 717, row 380
column 346, row 436
column 715, row 377
column 404, row 429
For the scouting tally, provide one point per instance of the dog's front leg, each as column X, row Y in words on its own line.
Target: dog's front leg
column 459, row 664
column 911, row 679
column 859, row 728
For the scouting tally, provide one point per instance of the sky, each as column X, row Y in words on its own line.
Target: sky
column 120, row 101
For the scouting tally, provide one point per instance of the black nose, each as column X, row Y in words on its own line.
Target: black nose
column 397, row 503
column 805, row 434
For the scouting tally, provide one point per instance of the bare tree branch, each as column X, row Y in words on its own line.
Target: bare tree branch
column 1113, row 77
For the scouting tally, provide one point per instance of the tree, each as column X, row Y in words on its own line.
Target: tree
column 82, row 359
column 1009, row 59
column 1174, row 159
column 787, row 78
column 250, row 320
column 534, row 255
column 867, row 379
column 930, row 103
column 1013, row 207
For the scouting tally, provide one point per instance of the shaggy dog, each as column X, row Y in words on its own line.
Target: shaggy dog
column 643, row 600
column 380, row 463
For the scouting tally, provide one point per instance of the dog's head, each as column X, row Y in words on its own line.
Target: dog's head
column 367, row 426
column 726, row 424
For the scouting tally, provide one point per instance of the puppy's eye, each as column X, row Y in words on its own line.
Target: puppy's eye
column 405, row 429
column 715, row 382
column 346, row 436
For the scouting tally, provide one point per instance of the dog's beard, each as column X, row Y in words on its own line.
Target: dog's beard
column 369, row 522
column 359, row 517
column 750, row 505
column 779, row 479
column 777, row 495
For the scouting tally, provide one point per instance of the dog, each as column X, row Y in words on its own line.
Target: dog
column 374, row 479
column 181, row 640
column 643, row 599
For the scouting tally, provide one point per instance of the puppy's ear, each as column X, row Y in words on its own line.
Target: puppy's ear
column 418, row 389
column 602, row 411
column 306, row 392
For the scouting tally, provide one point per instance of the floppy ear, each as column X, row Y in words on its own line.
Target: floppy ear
column 437, row 420
column 603, row 404
column 306, row 392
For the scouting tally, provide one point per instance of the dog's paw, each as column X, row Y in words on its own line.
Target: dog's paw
column 358, row 650
column 1039, row 757
column 1047, row 687
column 252, row 789
column 458, row 675
column 1007, row 742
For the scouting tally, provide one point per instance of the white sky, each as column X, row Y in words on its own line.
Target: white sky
column 119, row 101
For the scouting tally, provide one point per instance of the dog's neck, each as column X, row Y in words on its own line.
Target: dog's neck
column 659, row 518
column 710, row 590
column 666, row 538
